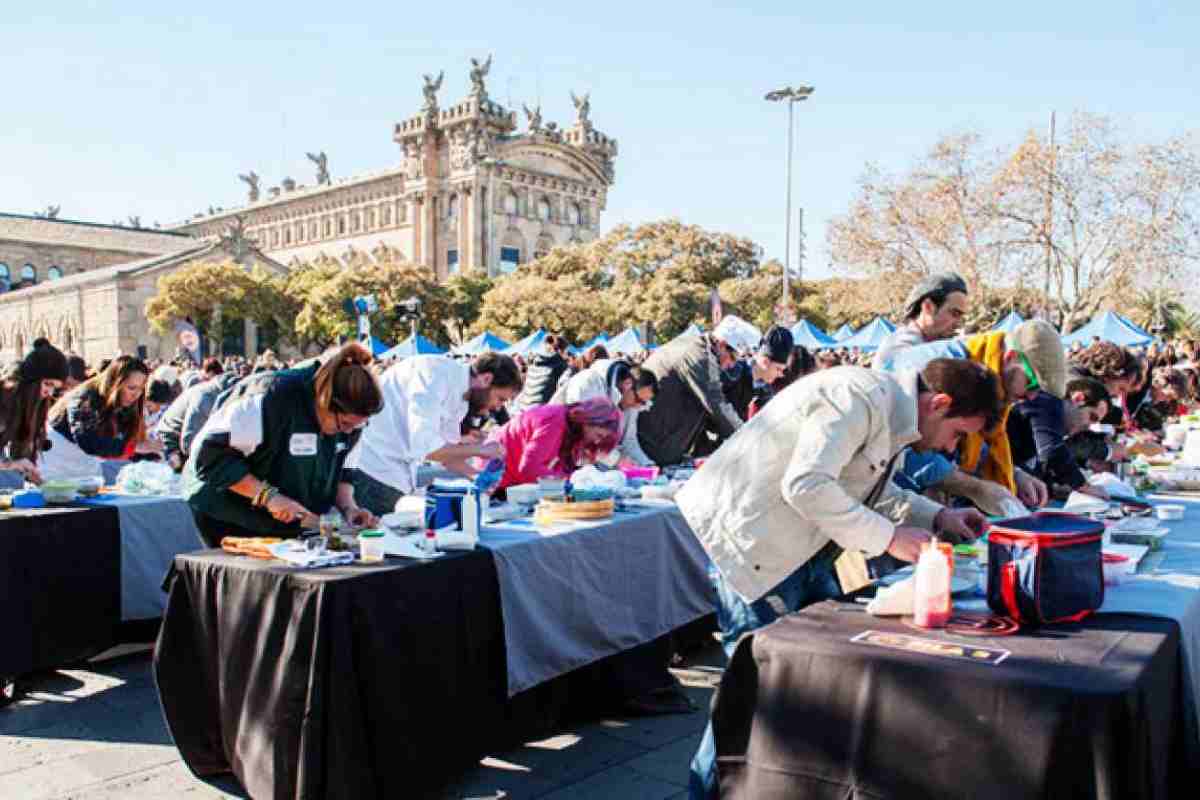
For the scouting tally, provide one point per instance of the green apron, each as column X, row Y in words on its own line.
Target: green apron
column 286, row 458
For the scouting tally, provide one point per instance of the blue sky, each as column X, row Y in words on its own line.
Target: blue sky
column 113, row 109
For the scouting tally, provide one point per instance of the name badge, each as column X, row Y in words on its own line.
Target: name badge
column 303, row 444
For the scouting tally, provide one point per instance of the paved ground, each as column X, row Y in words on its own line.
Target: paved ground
column 98, row 733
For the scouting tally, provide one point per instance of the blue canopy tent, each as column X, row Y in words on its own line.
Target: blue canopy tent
column 869, row 338
column 627, row 342
column 1137, row 328
column 376, row 347
column 528, row 344
column 416, row 345
column 811, row 337
column 1009, row 323
column 483, row 343
column 844, row 332
column 583, row 348
column 1109, row 327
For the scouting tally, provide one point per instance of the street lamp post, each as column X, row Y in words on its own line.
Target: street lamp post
column 792, row 95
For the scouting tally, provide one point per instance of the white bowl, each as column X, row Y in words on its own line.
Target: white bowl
column 525, row 494
column 1169, row 511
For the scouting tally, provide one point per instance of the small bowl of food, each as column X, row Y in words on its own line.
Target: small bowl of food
column 525, row 494
column 60, row 491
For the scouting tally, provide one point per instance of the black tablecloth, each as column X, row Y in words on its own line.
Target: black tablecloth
column 1089, row 711
column 358, row 681
column 60, row 586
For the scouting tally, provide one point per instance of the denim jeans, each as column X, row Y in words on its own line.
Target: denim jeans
column 813, row 582
column 917, row 472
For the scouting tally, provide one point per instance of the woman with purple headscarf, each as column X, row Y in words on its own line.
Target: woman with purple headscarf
column 555, row 440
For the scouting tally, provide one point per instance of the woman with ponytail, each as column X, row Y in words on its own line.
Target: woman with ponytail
column 269, row 460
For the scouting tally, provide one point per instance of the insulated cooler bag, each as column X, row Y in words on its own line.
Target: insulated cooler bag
column 1045, row 568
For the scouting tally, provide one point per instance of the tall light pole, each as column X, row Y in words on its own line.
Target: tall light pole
column 792, row 95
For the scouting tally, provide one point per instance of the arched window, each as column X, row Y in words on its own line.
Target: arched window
column 544, row 245
column 313, row 230
column 401, row 211
column 355, row 222
column 386, row 212
column 29, row 273
column 370, row 219
column 341, row 225
column 275, row 237
column 328, row 228
column 452, row 207
column 510, row 203
column 287, row 234
column 573, row 214
column 54, row 273
column 543, row 209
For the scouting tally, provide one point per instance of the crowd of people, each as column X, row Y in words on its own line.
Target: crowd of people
column 811, row 461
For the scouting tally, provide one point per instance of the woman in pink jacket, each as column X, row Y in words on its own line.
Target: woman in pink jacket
column 555, row 440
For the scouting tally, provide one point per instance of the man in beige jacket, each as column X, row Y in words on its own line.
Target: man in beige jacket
column 808, row 478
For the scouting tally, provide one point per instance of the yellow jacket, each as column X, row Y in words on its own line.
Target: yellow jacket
column 988, row 349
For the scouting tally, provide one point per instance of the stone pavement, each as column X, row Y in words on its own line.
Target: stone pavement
column 97, row 733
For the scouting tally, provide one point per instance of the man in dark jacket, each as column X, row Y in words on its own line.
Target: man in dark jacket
column 185, row 417
column 1048, row 435
column 690, row 397
column 541, row 380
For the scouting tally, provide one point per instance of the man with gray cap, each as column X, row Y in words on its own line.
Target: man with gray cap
column 1028, row 360
column 934, row 310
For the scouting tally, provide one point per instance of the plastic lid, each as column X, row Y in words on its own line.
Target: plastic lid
column 371, row 534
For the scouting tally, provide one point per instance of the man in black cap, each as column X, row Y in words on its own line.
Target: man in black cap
column 751, row 380
column 934, row 309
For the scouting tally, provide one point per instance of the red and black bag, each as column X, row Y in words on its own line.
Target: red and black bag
column 1045, row 568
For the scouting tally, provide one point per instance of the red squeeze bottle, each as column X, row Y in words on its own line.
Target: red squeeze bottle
column 931, row 596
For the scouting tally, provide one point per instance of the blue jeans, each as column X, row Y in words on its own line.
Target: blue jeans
column 813, row 582
column 917, row 472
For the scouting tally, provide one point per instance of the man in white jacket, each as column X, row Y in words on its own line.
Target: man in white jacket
column 629, row 388
column 426, row 399
column 808, row 478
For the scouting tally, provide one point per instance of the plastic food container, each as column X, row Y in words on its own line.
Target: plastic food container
column 1116, row 567
column 551, row 487
column 370, row 546
column 632, row 472
column 1169, row 512
column 525, row 494
column 60, row 491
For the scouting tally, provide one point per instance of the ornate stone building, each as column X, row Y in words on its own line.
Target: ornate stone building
column 470, row 191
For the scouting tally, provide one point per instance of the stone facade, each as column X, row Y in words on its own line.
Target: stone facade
column 100, row 313
column 35, row 249
column 469, row 191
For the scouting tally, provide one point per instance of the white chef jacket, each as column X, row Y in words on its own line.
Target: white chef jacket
column 424, row 404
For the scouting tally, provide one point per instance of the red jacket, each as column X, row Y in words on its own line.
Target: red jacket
column 531, row 445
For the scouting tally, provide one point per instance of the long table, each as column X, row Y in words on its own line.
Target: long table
column 1104, row 708
column 378, row 680
column 60, row 587
column 74, row 578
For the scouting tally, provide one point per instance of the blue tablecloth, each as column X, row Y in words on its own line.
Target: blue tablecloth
column 570, row 596
column 153, row 531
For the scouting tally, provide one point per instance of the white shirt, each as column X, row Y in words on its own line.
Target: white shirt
column 593, row 382
column 424, row 404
